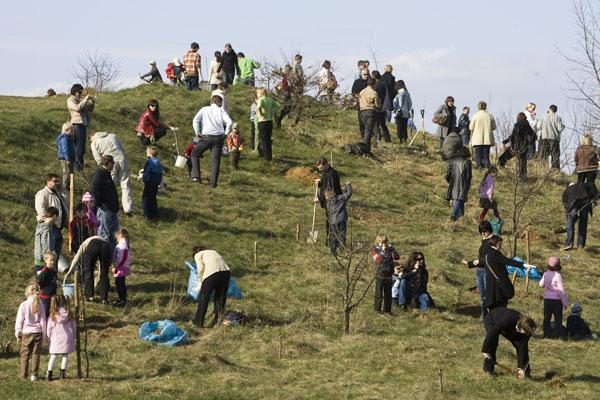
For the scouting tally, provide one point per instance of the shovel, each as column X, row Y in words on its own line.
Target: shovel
column 312, row 235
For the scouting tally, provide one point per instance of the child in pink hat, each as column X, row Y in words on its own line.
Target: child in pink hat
column 555, row 299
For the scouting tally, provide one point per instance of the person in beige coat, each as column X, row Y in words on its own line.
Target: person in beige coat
column 80, row 107
column 482, row 128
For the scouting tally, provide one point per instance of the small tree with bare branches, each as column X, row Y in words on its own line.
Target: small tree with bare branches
column 96, row 70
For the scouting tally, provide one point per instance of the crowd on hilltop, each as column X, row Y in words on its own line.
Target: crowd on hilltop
column 97, row 238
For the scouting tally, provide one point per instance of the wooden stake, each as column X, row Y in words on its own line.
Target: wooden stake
column 78, row 321
column 331, row 157
column 441, row 380
column 255, row 253
column 280, row 346
column 297, row 232
column 514, row 277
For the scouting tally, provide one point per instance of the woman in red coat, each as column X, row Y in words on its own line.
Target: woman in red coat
column 149, row 128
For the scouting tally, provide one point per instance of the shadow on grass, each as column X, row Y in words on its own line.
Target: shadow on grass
column 206, row 225
column 10, row 238
column 150, row 287
column 469, row 311
column 98, row 322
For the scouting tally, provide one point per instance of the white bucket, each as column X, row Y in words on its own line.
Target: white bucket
column 63, row 264
column 69, row 290
column 180, row 162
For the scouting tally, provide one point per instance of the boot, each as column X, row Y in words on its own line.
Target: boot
column 48, row 376
column 63, row 374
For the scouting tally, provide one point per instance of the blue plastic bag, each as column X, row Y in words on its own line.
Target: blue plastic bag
column 193, row 290
column 534, row 274
column 164, row 332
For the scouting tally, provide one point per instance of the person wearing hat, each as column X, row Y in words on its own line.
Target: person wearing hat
column 555, row 299
column 235, row 144
column 576, row 326
column 211, row 124
column 153, row 75
column 175, row 72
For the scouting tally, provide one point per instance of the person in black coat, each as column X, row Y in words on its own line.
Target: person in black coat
column 498, row 287
column 413, row 284
column 329, row 180
column 386, row 105
column 578, row 199
column 229, row 64
column 338, row 217
column 104, row 191
column 486, row 231
column 357, row 87
column 517, row 329
column 522, row 134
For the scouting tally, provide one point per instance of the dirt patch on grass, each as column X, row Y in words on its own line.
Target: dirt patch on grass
column 302, row 174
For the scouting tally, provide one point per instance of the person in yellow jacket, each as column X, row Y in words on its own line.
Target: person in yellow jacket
column 482, row 128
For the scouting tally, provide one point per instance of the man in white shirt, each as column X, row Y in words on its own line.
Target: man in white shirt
column 211, row 124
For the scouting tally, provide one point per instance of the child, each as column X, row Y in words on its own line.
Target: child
column 46, row 279
column 384, row 256
column 30, row 330
column 555, row 298
column 187, row 153
column 486, row 194
column 47, row 238
column 459, row 182
column 235, row 144
column 396, row 277
column 337, row 214
column 61, row 334
column 122, row 268
column 80, row 228
column 576, row 326
column 66, row 153
column 90, row 206
column 153, row 171
column 463, row 125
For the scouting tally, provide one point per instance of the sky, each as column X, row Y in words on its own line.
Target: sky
column 503, row 52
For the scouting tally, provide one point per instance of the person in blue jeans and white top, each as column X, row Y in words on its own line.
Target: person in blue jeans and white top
column 486, row 231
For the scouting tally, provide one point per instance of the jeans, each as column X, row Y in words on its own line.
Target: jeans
column 361, row 125
column 383, row 291
column 480, row 280
column 403, row 293
column 466, row 137
column 530, row 150
column 552, row 308
column 402, row 129
column 191, row 82
column 337, row 236
column 228, row 76
column 215, row 144
column 121, row 288
column 482, row 156
column 458, row 209
column 79, row 141
column 572, row 218
column 109, row 224
column 265, row 133
column 120, row 176
column 381, row 125
column 423, row 300
column 369, row 120
column 149, row 203
column 550, row 148
column 217, row 283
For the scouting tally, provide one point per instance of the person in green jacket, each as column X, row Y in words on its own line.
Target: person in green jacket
column 247, row 67
column 266, row 108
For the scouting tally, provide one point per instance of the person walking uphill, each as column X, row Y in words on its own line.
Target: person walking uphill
column 482, row 128
column 266, row 108
column 103, row 188
column 520, row 140
column 81, row 109
column 214, row 274
column 550, row 128
column 445, row 118
column 229, row 64
column 211, row 124
column 517, row 329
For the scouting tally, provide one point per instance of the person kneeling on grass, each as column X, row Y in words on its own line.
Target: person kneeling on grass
column 338, row 217
column 517, row 329
column 413, row 284
column 577, row 327
column 383, row 255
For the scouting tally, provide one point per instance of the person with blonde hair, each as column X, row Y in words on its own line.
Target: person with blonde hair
column 586, row 161
column 533, row 122
column 384, row 256
column 482, row 126
column 266, row 107
column 30, row 331
column 61, row 334
column 66, row 153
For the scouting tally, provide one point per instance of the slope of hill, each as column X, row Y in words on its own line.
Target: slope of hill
column 292, row 345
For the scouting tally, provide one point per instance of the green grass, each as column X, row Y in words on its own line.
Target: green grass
column 292, row 348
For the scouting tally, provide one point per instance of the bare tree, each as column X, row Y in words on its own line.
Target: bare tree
column 96, row 71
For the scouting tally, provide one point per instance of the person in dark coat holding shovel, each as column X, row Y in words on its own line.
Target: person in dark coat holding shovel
column 517, row 329
column 329, row 180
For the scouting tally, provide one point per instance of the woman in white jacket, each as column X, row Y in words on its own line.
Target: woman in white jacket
column 402, row 107
column 214, row 75
column 533, row 122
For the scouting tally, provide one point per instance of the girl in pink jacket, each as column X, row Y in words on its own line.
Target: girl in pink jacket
column 555, row 298
column 61, row 334
column 486, row 194
column 30, row 330
column 122, row 265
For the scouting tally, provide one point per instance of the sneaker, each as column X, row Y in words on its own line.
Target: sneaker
column 567, row 248
column 34, row 378
column 195, row 180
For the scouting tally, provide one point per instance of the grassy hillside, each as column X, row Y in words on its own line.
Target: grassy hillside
column 292, row 347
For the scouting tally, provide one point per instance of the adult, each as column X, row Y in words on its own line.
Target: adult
column 214, row 75
column 229, row 64
column 385, row 105
column 368, row 104
column 330, row 180
column 193, row 67
column 149, row 129
column 384, row 255
column 221, row 90
column 247, row 67
column 463, row 124
column 390, row 81
column 413, row 285
column 297, row 76
column 486, row 231
column 482, row 128
column 498, row 287
column 92, row 250
column 210, row 124
column 266, row 108
column 452, row 145
column 214, row 275
column 533, row 122
column 81, row 109
column 284, row 94
column 520, row 140
column 152, row 76
column 550, row 128
column 50, row 196
column 103, row 188
column 104, row 143
column 578, row 199
column 327, row 82
column 358, row 86
column 445, row 118
column 586, row 161
column 517, row 329
column 402, row 105
column 458, row 176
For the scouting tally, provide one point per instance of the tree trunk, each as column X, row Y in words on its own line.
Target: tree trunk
column 347, row 320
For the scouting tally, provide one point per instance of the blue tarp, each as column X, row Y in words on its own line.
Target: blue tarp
column 164, row 332
column 193, row 290
column 534, row 274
